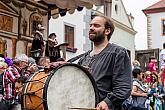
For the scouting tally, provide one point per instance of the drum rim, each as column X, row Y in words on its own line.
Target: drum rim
column 84, row 70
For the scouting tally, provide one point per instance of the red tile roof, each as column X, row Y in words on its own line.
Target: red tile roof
column 160, row 4
column 156, row 8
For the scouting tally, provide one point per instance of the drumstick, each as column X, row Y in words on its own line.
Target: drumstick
column 79, row 108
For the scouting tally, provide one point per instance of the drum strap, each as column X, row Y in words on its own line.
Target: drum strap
column 76, row 58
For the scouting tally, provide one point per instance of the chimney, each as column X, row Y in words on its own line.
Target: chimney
column 131, row 18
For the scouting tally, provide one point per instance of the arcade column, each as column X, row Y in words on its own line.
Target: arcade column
column 14, row 44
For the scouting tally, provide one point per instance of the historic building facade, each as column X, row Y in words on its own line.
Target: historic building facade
column 75, row 28
column 155, row 24
column 18, row 21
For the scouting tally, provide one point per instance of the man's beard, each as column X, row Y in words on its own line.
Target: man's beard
column 97, row 37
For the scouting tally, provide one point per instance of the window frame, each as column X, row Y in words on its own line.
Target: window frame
column 71, row 46
column 163, row 27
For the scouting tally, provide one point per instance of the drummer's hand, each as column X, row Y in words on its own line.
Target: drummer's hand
column 102, row 106
column 58, row 63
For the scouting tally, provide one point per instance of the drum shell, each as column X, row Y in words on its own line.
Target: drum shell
column 33, row 91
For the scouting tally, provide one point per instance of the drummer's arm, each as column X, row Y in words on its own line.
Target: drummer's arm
column 121, row 81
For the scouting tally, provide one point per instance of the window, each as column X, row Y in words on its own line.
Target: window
column 163, row 27
column 116, row 8
column 69, row 38
column 69, row 35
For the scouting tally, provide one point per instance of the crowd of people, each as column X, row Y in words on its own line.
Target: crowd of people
column 108, row 64
column 14, row 73
column 148, row 90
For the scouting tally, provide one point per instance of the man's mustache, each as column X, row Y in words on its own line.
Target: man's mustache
column 92, row 32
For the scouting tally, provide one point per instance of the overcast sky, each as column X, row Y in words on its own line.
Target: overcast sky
column 140, row 22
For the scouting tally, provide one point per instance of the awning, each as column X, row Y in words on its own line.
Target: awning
column 70, row 5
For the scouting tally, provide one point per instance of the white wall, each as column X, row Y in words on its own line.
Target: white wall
column 76, row 20
column 124, row 39
column 122, row 36
column 121, row 14
column 156, row 29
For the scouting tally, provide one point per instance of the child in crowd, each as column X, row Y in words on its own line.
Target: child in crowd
column 152, row 64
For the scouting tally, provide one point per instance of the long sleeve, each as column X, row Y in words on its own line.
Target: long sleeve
column 111, row 70
column 121, row 81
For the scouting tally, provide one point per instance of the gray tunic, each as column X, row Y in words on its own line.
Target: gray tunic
column 111, row 69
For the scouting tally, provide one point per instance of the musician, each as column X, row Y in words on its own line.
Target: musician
column 52, row 50
column 109, row 65
column 44, row 64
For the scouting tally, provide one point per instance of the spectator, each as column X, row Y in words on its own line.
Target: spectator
column 138, row 91
column 155, row 99
column 152, row 64
column 162, row 57
column 135, row 64
column 148, row 77
column 32, row 67
column 10, row 77
column 44, row 64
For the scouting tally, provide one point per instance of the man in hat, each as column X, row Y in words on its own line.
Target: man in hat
column 53, row 51
column 38, row 44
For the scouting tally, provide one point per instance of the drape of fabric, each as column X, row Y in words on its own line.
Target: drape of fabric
column 73, row 4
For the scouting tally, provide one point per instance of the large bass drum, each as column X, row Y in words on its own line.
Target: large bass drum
column 68, row 86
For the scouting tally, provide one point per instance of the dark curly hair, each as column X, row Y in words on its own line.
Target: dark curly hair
column 108, row 25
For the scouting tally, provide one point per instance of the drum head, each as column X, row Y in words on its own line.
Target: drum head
column 70, row 86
